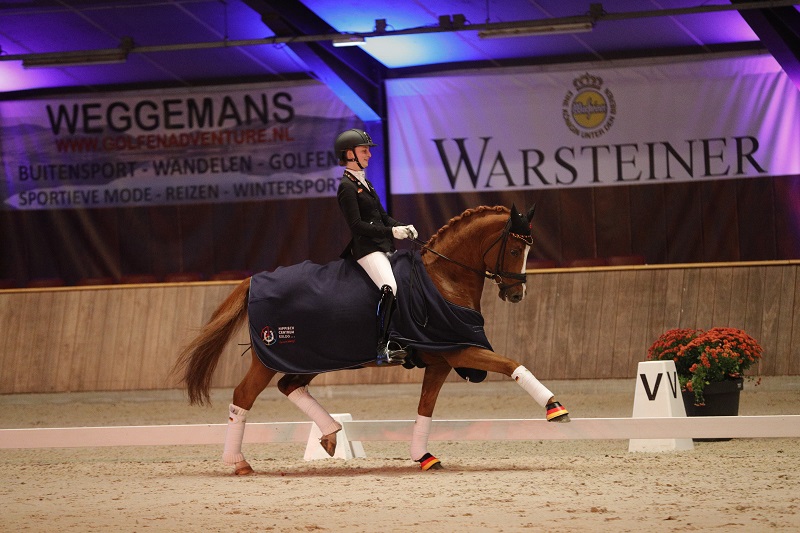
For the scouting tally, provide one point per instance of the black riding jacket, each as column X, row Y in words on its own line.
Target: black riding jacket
column 370, row 225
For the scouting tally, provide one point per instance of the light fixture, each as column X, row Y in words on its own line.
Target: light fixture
column 348, row 40
column 80, row 58
column 538, row 29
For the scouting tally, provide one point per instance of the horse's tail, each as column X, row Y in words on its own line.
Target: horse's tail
column 199, row 358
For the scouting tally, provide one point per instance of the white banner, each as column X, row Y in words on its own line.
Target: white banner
column 171, row 147
column 690, row 121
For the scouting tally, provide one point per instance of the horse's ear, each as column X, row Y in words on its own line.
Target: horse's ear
column 531, row 211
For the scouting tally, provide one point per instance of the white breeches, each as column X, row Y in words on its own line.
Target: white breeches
column 379, row 270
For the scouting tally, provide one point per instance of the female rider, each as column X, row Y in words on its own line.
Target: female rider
column 372, row 231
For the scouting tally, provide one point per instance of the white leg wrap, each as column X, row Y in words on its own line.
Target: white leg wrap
column 419, row 437
column 324, row 421
column 531, row 385
column 232, row 453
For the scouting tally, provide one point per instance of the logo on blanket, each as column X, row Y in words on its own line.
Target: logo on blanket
column 268, row 336
column 590, row 110
column 284, row 335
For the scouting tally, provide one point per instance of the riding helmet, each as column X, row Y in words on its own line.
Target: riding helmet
column 348, row 140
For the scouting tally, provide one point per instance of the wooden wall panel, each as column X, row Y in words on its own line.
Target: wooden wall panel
column 754, row 307
column 783, row 337
column 642, row 335
column 583, row 327
column 539, row 336
column 706, row 294
column 770, row 317
column 588, row 324
column 562, row 311
column 46, row 345
column 722, row 295
column 793, row 351
column 623, row 306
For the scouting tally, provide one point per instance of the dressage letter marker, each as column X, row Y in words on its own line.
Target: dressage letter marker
column 657, row 395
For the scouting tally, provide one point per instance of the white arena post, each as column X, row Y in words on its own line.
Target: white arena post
column 345, row 448
column 658, row 395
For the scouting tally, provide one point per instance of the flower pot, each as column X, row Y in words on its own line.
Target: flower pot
column 722, row 399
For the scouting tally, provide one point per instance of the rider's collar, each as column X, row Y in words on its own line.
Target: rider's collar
column 357, row 174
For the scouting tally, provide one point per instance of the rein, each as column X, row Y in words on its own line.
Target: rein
column 421, row 244
column 498, row 275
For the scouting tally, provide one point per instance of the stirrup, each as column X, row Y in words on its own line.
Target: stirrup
column 557, row 412
column 391, row 356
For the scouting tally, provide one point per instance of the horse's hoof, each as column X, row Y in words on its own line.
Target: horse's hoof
column 429, row 462
column 243, row 468
column 557, row 412
column 328, row 443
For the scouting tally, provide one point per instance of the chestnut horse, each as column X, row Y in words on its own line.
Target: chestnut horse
column 481, row 243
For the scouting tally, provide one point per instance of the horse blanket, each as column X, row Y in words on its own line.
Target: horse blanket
column 309, row 318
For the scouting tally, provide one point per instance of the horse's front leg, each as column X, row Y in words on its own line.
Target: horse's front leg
column 295, row 387
column 490, row 361
column 436, row 373
column 244, row 396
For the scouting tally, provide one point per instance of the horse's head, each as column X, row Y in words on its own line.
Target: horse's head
column 489, row 242
column 507, row 255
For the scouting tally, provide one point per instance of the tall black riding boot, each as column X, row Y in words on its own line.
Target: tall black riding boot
column 386, row 308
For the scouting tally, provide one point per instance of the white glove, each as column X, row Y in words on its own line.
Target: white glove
column 412, row 231
column 399, row 232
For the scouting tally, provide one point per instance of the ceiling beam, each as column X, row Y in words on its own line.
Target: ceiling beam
column 352, row 74
column 778, row 28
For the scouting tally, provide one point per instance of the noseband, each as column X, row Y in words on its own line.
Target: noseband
column 499, row 274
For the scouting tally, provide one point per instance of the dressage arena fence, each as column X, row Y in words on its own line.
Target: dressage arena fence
column 590, row 323
column 709, row 427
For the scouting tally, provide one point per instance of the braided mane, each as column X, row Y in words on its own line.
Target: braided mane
column 459, row 218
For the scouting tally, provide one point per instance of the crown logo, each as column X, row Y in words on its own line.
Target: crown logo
column 587, row 81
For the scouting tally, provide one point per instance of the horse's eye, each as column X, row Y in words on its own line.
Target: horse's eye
column 514, row 253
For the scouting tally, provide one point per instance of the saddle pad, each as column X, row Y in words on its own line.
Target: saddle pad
column 309, row 318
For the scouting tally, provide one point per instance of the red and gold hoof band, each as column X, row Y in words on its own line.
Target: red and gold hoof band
column 428, row 461
column 555, row 411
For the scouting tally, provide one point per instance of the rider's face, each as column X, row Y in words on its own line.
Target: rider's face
column 362, row 154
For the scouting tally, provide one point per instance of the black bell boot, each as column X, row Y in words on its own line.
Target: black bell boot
column 387, row 355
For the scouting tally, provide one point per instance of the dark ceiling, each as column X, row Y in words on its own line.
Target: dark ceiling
column 196, row 42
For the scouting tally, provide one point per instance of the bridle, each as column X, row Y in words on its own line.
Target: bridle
column 498, row 275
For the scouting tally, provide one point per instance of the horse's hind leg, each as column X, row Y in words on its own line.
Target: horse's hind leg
column 295, row 387
column 244, row 396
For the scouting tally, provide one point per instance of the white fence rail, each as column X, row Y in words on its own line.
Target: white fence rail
column 400, row 430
